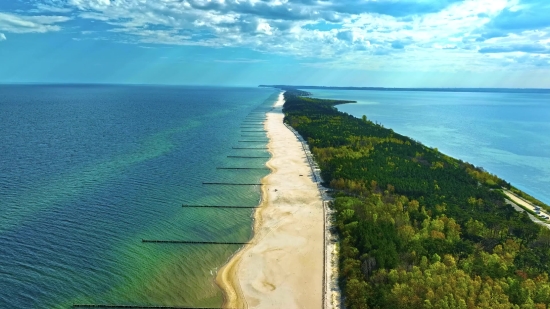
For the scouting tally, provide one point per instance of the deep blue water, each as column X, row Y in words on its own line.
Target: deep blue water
column 508, row 134
column 86, row 172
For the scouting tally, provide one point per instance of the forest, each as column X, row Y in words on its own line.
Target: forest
column 417, row 228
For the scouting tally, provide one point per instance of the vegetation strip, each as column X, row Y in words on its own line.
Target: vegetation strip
column 419, row 229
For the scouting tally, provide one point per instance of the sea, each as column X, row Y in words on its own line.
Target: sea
column 506, row 132
column 87, row 172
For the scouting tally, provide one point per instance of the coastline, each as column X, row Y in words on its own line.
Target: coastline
column 283, row 266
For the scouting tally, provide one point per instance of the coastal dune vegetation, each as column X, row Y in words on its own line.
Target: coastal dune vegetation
column 417, row 228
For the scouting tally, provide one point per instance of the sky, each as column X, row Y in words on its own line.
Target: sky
column 382, row 43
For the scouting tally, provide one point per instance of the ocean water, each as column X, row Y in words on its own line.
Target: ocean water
column 508, row 134
column 87, row 172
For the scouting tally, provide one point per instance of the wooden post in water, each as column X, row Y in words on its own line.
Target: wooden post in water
column 242, row 168
column 191, row 242
column 220, row 206
column 135, row 306
column 231, row 184
column 246, row 157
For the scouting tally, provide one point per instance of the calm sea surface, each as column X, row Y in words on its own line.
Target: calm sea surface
column 508, row 134
column 87, row 172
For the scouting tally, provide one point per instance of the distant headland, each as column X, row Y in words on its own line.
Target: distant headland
column 503, row 90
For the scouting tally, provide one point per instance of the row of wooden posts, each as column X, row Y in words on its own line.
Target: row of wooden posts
column 257, row 121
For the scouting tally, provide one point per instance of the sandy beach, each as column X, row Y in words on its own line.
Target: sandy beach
column 282, row 267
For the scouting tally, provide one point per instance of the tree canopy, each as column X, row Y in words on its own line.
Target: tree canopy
column 419, row 229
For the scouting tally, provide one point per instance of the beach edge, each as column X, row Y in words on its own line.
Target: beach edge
column 226, row 278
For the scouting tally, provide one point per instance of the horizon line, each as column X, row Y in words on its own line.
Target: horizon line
column 447, row 88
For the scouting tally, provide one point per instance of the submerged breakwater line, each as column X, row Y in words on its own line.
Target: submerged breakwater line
column 105, row 167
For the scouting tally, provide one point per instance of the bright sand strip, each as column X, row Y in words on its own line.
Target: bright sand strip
column 282, row 267
column 525, row 204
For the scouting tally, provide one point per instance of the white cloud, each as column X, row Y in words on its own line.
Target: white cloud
column 27, row 24
column 41, row 7
column 443, row 34
column 264, row 28
column 2, row 37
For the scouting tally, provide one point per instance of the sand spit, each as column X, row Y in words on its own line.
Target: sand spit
column 282, row 267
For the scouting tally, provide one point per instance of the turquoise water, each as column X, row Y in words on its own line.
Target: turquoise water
column 508, row 134
column 87, row 172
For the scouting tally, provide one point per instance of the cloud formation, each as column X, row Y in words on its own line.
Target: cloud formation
column 16, row 23
column 359, row 33
column 529, row 49
column 521, row 16
column 2, row 37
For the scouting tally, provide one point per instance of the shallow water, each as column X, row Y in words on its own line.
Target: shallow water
column 87, row 172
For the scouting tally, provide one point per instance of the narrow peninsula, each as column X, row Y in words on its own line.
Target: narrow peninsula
column 416, row 228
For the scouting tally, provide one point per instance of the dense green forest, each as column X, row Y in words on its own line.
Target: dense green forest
column 419, row 229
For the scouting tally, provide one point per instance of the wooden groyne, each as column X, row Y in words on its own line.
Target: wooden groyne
column 248, row 157
column 217, row 206
column 231, row 184
column 253, row 131
column 242, row 168
column 260, row 148
column 192, row 242
column 136, row 306
column 252, row 141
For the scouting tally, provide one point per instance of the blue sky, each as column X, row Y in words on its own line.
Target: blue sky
column 392, row 43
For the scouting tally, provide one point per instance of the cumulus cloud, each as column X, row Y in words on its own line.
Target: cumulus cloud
column 350, row 32
column 517, row 17
column 41, row 7
column 2, row 37
column 525, row 15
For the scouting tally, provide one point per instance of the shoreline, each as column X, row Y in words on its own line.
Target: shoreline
column 285, row 258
